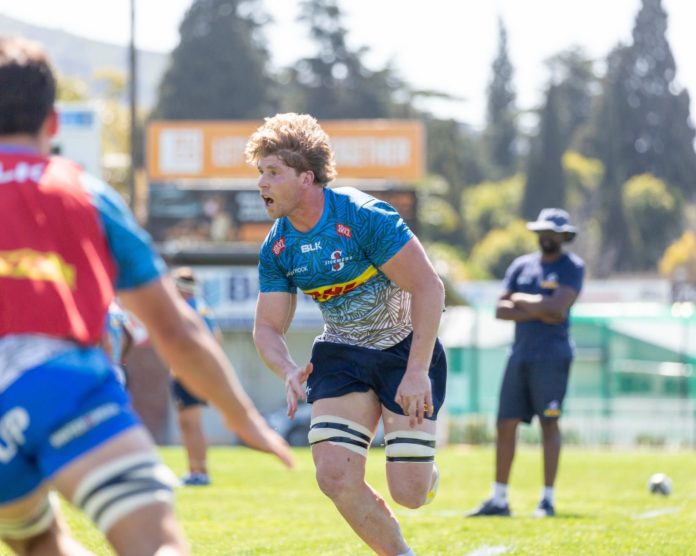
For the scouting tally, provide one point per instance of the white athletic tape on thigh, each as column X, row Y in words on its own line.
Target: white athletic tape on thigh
column 340, row 432
column 116, row 489
column 410, row 446
column 31, row 525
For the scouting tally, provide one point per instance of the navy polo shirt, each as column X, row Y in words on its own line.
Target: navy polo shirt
column 527, row 274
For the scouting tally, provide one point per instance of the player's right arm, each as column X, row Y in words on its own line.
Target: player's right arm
column 274, row 313
column 186, row 345
column 177, row 332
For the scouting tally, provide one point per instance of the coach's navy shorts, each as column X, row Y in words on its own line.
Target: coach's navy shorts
column 534, row 385
column 55, row 413
column 183, row 398
column 340, row 369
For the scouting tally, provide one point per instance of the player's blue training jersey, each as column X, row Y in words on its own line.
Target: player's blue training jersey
column 337, row 263
column 87, row 237
column 528, row 274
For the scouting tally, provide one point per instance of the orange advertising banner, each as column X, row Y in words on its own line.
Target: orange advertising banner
column 365, row 149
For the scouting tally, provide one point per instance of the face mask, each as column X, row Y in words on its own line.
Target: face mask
column 549, row 246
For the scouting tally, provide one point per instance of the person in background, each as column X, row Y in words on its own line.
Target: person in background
column 540, row 288
column 67, row 244
column 117, row 340
column 189, row 407
column 378, row 356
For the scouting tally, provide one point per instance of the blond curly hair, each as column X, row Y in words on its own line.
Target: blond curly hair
column 299, row 141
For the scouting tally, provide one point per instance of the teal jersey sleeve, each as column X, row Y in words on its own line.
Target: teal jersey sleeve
column 382, row 232
column 272, row 278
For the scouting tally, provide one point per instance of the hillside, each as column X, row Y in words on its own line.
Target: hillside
column 81, row 57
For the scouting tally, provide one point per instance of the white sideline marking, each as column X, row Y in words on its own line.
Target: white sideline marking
column 487, row 550
column 657, row 513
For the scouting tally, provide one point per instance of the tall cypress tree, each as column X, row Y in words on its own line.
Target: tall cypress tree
column 545, row 185
column 642, row 126
column 219, row 68
column 501, row 131
column 334, row 83
column 573, row 73
column 660, row 136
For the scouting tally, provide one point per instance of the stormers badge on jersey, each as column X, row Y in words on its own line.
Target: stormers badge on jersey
column 550, row 282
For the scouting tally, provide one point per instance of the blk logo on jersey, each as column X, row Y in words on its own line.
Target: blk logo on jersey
column 309, row 247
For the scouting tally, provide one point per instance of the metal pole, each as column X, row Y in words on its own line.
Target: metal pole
column 133, row 102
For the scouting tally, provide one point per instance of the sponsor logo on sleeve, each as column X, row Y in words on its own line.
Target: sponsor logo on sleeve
column 279, row 246
column 344, row 230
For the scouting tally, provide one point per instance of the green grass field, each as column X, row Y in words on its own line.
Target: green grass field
column 257, row 507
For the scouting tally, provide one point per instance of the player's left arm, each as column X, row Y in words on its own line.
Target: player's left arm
column 412, row 271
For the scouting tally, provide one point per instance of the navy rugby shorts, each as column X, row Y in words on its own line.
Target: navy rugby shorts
column 183, row 398
column 534, row 385
column 340, row 369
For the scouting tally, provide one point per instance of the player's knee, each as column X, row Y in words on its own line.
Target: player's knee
column 414, row 487
column 411, row 495
column 335, row 482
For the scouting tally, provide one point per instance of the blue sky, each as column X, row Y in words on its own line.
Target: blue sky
column 446, row 45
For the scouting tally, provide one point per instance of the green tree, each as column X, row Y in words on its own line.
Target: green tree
column 71, row 89
column 545, row 185
column 574, row 76
column 490, row 205
column 334, row 83
column 219, row 70
column 501, row 246
column 680, row 258
column 501, row 132
column 642, row 126
column 658, row 135
column 607, row 143
column 653, row 218
column 453, row 153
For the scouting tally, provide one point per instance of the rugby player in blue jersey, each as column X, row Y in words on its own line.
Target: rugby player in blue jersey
column 381, row 301
column 67, row 241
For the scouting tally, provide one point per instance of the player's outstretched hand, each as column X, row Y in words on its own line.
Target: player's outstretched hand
column 415, row 397
column 294, row 387
column 257, row 434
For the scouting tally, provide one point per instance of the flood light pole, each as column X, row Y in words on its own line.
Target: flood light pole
column 133, row 104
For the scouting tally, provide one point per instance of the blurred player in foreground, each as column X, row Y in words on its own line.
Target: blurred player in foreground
column 65, row 421
column 381, row 301
column 188, row 406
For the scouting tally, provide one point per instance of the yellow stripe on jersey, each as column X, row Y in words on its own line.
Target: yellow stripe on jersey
column 324, row 293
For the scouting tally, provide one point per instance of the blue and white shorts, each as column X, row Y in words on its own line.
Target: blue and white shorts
column 55, row 413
